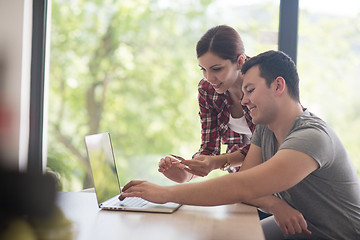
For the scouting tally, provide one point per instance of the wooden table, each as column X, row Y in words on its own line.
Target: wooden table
column 236, row 221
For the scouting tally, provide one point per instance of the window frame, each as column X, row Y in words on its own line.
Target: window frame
column 37, row 89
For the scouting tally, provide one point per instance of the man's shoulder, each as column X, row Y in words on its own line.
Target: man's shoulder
column 261, row 134
column 308, row 120
column 262, row 128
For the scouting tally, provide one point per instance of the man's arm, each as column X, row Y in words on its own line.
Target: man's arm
column 254, row 184
column 284, row 170
column 253, row 159
column 182, row 171
column 289, row 220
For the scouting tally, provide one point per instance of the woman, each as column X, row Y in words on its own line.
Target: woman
column 221, row 54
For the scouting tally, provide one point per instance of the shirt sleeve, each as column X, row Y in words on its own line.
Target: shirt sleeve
column 244, row 150
column 210, row 137
column 312, row 141
column 256, row 137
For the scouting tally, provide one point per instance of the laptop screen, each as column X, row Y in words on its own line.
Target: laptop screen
column 103, row 167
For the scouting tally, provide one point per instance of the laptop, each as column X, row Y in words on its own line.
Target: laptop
column 106, row 180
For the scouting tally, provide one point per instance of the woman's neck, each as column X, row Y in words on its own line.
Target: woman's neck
column 235, row 90
column 236, row 95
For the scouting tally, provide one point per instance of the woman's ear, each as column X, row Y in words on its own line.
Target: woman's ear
column 240, row 61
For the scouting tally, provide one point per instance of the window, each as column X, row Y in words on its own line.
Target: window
column 328, row 64
column 129, row 68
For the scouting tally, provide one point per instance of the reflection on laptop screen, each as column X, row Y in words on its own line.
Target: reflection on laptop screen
column 103, row 166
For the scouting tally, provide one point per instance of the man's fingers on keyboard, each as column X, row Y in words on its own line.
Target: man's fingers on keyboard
column 131, row 194
column 132, row 183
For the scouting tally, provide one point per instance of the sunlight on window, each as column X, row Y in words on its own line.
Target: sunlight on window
column 129, row 68
column 328, row 63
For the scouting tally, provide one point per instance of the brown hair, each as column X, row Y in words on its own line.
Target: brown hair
column 222, row 40
column 273, row 64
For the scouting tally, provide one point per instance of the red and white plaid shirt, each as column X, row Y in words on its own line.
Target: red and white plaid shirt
column 214, row 115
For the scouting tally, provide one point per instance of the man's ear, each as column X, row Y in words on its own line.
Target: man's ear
column 279, row 85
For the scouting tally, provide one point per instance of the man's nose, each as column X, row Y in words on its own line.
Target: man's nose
column 244, row 100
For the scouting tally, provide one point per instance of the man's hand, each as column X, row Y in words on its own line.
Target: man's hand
column 145, row 190
column 290, row 220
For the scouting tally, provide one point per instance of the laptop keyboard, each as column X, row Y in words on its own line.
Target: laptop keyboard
column 133, row 202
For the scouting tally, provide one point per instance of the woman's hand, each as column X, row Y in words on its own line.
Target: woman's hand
column 200, row 166
column 145, row 190
column 174, row 170
column 185, row 170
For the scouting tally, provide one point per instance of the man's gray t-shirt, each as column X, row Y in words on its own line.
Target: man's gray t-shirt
column 328, row 198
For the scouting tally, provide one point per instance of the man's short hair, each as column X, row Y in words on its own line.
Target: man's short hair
column 273, row 64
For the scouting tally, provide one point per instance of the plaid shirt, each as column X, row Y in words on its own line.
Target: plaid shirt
column 214, row 115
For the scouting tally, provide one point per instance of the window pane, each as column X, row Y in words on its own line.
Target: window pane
column 329, row 63
column 129, row 68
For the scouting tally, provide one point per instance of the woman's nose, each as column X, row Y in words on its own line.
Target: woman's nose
column 209, row 77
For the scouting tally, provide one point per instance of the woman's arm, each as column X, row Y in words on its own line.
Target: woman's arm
column 210, row 138
column 203, row 165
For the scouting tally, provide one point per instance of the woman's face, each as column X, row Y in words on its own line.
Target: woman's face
column 220, row 73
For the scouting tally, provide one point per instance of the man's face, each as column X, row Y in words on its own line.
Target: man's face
column 258, row 97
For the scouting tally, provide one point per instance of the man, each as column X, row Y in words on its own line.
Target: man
column 293, row 154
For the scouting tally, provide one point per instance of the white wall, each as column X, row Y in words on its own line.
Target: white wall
column 15, row 49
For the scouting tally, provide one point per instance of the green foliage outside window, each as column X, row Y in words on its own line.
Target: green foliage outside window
column 129, row 68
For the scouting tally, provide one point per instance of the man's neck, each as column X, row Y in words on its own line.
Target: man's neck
column 283, row 122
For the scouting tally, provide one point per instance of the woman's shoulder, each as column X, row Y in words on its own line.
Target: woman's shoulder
column 208, row 94
column 207, row 90
column 205, row 86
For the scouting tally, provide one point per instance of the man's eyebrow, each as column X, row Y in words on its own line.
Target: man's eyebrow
column 246, row 86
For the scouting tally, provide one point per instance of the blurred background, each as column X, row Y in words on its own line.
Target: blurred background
column 129, row 68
